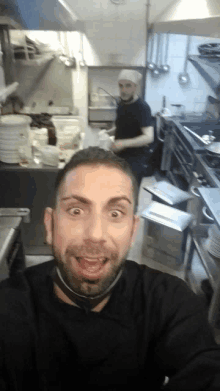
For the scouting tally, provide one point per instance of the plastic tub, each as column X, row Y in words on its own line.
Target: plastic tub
column 60, row 121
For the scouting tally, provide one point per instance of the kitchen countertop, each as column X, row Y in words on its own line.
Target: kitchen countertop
column 191, row 141
column 31, row 166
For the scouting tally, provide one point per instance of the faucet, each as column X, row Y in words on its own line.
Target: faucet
column 100, row 88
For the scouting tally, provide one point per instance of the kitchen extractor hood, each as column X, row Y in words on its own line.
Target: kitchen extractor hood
column 54, row 15
column 209, row 68
column 197, row 17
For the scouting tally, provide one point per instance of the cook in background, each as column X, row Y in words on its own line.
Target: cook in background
column 133, row 128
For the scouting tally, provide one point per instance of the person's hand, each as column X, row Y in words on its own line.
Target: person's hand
column 118, row 145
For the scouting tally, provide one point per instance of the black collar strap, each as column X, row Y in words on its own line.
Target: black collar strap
column 81, row 301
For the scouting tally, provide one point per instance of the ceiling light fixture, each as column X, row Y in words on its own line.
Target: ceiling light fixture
column 73, row 15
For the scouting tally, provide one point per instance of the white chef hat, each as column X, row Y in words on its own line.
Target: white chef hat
column 131, row 75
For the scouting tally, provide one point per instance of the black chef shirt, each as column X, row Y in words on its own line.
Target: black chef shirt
column 129, row 121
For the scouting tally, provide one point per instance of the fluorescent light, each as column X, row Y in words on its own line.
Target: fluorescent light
column 72, row 14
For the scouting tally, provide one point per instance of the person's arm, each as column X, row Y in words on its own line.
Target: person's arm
column 185, row 348
column 111, row 132
column 141, row 141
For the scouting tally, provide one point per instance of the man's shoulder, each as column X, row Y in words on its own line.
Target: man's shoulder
column 142, row 103
column 18, row 286
column 160, row 287
column 151, row 277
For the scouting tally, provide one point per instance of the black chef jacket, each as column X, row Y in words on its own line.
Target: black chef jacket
column 153, row 326
column 129, row 121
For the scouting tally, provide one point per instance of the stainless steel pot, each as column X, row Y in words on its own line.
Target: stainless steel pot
column 214, row 148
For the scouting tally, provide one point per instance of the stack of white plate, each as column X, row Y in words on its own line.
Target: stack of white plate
column 213, row 241
column 11, row 126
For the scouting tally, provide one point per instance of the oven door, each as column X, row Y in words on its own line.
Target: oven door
column 180, row 164
column 177, row 174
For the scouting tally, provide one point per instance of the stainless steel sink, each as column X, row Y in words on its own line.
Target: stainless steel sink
column 102, row 114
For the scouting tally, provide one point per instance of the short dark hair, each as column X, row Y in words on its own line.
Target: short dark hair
column 96, row 156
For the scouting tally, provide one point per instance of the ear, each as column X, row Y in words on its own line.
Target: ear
column 48, row 224
column 135, row 229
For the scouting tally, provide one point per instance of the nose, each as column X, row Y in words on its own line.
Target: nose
column 95, row 228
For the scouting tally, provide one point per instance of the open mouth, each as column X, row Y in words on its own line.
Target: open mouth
column 91, row 265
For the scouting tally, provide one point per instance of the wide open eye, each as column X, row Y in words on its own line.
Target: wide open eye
column 116, row 213
column 75, row 211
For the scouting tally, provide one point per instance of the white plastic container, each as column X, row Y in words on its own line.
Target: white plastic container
column 104, row 140
column 50, row 155
column 61, row 121
column 14, row 132
column 69, row 138
column 41, row 136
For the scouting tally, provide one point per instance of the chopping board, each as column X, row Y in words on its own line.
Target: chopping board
column 211, row 197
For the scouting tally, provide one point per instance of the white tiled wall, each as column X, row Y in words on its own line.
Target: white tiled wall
column 105, row 78
column 128, row 40
column 194, row 95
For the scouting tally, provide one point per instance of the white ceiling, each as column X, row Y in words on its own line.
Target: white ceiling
column 105, row 10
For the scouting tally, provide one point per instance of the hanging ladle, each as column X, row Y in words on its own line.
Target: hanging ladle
column 166, row 67
column 184, row 76
column 156, row 71
column 160, row 60
column 150, row 65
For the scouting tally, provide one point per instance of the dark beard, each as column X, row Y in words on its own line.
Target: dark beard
column 85, row 302
column 74, row 283
column 127, row 101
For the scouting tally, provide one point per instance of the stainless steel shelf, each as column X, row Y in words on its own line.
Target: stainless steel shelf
column 211, row 264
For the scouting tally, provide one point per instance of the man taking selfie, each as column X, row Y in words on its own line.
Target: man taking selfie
column 92, row 318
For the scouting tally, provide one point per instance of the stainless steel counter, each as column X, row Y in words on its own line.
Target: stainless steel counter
column 8, row 232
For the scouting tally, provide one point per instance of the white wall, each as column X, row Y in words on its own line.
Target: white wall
column 79, row 76
column 194, row 95
column 125, row 39
column 105, row 78
column 128, row 39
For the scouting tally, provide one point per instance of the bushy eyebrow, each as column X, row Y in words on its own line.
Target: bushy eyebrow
column 86, row 201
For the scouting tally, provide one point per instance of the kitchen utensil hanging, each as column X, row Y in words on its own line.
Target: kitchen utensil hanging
column 184, row 76
column 150, row 65
column 166, row 67
column 160, row 65
column 156, row 72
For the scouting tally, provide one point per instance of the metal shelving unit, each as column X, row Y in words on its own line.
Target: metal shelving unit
column 211, row 266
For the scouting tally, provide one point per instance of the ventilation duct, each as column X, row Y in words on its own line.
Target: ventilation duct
column 197, row 17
